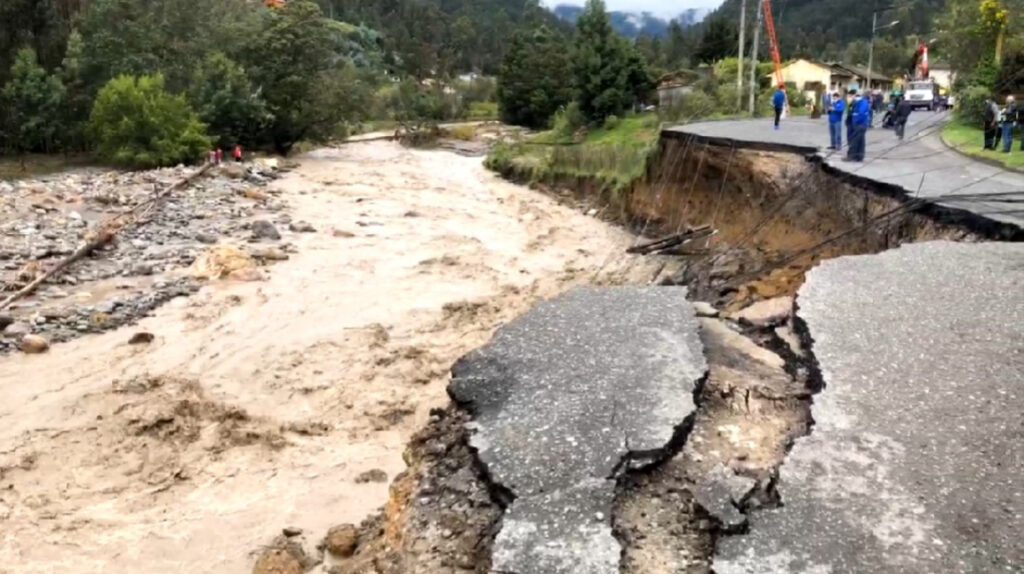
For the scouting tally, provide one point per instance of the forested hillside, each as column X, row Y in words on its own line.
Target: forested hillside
column 436, row 36
column 826, row 28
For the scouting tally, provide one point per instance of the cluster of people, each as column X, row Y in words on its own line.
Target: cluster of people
column 856, row 111
column 217, row 155
column 999, row 124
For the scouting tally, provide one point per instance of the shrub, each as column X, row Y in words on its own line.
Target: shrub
column 612, row 122
column 483, row 110
column 692, row 106
column 568, row 121
column 970, row 104
column 136, row 123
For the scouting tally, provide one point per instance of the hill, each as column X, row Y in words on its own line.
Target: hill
column 633, row 24
column 824, row 28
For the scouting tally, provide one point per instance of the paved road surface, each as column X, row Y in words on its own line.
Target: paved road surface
column 916, row 459
column 564, row 395
column 922, row 165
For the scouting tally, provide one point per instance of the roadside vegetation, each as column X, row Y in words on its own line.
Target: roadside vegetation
column 969, row 139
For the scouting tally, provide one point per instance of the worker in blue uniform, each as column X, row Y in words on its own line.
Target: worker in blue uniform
column 860, row 119
column 779, row 102
column 835, row 121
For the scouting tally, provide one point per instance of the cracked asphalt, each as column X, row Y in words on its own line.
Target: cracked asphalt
column 922, row 164
column 563, row 396
column 915, row 460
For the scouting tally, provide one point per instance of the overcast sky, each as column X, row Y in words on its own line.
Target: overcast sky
column 659, row 7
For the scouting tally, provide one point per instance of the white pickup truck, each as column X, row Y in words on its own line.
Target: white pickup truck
column 921, row 94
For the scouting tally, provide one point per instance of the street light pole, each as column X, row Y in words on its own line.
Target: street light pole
column 871, row 49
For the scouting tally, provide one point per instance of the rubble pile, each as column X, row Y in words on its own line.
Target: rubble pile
column 43, row 221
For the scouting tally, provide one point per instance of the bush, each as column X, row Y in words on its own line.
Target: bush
column 970, row 104
column 568, row 121
column 136, row 123
column 612, row 122
column 692, row 106
column 483, row 110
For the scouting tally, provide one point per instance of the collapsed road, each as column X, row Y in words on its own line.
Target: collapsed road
column 564, row 397
column 914, row 461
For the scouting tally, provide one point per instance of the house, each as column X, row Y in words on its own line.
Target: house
column 674, row 86
column 943, row 75
column 810, row 75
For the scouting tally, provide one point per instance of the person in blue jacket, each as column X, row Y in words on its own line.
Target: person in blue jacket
column 779, row 102
column 835, row 121
column 860, row 118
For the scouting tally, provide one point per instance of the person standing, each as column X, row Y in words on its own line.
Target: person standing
column 779, row 102
column 861, row 119
column 835, row 121
column 220, row 156
column 1008, row 118
column 991, row 114
column 903, row 110
column 238, row 154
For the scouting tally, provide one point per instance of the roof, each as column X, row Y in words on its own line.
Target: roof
column 863, row 73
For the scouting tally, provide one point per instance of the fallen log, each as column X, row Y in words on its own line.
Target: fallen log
column 671, row 241
column 107, row 231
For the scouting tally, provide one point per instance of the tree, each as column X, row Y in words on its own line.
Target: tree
column 531, row 82
column 719, row 41
column 233, row 111
column 33, row 100
column 676, row 52
column 291, row 60
column 77, row 102
column 600, row 66
column 136, row 123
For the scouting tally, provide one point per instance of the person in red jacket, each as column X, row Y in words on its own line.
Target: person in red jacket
column 238, row 153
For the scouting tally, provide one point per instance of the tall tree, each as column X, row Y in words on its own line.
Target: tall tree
column 531, row 83
column 676, row 51
column 33, row 100
column 76, row 101
column 719, row 41
column 600, row 65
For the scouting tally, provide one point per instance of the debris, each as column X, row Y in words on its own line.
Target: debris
column 291, row 531
column 141, row 338
column 34, row 344
column 671, row 241
column 301, row 227
column 722, row 493
column 17, row 329
column 221, row 261
column 270, row 254
column 263, row 229
column 342, row 540
column 256, row 193
column 373, row 475
column 342, row 233
column 705, row 309
column 765, row 313
column 277, row 561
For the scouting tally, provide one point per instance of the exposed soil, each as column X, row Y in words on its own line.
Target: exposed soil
column 286, row 403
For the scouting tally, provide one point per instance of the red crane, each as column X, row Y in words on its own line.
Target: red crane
column 773, row 40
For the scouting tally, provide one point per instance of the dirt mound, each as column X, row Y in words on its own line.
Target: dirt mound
column 220, row 262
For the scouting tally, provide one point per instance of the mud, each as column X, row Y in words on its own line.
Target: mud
column 253, row 407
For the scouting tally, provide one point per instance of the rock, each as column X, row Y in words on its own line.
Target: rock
column 17, row 329
column 788, row 336
column 74, row 215
column 256, row 193
column 232, row 170
column 5, row 320
column 246, row 275
column 705, row 309
column 221, row 261
column 729, row 338
column 290, row 531
column 342, row 233
column 142, row 269
column 721, row 493
column 141, row 338
column 270, row 254
column 34, row 344
column 277, row 561
column 263, row 229
column 767, row 313
column 207, row 238
column 342, row 540
column 301, row 227
column 373, row 475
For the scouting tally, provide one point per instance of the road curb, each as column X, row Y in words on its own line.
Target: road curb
column 977, row 158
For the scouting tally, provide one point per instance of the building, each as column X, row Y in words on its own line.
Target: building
column 943, row 75
column 674, row 86
column 809, row 76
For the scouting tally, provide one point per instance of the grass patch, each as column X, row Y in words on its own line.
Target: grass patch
column 970, row 140
column 615, row 155
column 481, row 111
column 39, row 164
column 464, row 132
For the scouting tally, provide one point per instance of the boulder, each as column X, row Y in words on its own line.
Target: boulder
column 34, row 344
column 263, row 229
column 342, row 540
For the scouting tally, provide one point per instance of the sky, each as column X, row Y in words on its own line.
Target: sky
column 670, row 8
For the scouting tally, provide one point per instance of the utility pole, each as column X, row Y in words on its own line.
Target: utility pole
column 753, row 63
column 739, row 68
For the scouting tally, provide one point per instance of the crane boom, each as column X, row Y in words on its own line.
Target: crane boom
column 773, row 40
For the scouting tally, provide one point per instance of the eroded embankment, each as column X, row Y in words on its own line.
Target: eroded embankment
column 775, row 215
